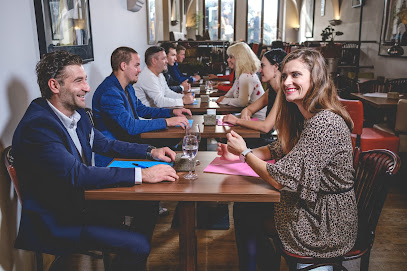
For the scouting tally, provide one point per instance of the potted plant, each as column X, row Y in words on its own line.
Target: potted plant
column 331, row 51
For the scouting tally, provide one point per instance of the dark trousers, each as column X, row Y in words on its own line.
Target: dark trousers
column 104, row 230
column 252, row 236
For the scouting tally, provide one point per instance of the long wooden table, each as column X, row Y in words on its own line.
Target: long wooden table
column 211, row 93
column 206, row 131
column 377, row 102
column 221, row 109
column 208, row 187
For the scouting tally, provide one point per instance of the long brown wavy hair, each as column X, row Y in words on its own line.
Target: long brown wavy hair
column 322, row 95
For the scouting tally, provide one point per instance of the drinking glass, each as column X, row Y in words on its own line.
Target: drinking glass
column 209, row 85
column 194, row 130
column 190, row 149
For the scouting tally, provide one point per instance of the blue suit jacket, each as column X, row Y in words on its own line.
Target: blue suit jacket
column 114, row 117
column 52, row 176
column 176, row 74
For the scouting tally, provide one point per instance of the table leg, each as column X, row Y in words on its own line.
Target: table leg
column 187, row 236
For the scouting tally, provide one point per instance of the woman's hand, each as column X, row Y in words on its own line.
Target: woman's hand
column 230, row 119
column 225, row 154
column 212, row 76
column 236, row 143
column 220, row 99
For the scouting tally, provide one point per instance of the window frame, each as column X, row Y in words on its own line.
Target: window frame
column 262, row 21
column 219, row 16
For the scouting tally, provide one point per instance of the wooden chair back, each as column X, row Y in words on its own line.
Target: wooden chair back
column 371, row 86
column 372, row 179
column 397, row 85
column 8, row 163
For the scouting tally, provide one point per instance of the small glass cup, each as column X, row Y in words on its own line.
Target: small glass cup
column 190, row 149
column 209, row 85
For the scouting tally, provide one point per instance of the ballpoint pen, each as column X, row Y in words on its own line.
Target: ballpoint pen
column 140, row 166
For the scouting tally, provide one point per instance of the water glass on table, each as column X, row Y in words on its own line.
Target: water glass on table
column 190, row 148
column 209, row 85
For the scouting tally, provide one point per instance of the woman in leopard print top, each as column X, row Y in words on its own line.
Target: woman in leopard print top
column 317, row 213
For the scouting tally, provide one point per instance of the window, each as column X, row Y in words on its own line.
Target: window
column 262, row 21
column 223, row 29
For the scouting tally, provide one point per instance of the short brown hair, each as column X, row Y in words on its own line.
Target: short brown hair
column 119, row 55
column 150, row 52
column 52, row 65
column 180, row 48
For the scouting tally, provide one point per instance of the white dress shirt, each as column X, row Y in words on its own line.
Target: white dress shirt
column 153, row 90
column 70, row 124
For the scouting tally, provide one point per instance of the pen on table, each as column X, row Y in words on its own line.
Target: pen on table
column 140, row 166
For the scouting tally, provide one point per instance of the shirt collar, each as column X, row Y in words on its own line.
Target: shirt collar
column 68, row 122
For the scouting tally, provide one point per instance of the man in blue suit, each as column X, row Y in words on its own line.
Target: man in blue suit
column 174, row 71
column 53, row 147
column 117, row 110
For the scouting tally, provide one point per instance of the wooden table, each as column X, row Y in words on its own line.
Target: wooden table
column 206, row 131
column 211, row 93
column 377, row 102
column 208, row 187
column 221, row 109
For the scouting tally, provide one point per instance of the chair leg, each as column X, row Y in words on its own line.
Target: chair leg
column 106, row 261
column 364, row 262
column 39, row 262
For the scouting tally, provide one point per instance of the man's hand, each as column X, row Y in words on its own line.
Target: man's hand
column 181, row 111
column 188, row 98
column 186, row 86
column 174, row 121
column 196, row 77
column 246, row 114
column 225, row 154
column 230, row 119
column 236, row 143
column 163, row 154
column 220, row 99
column 158, row 173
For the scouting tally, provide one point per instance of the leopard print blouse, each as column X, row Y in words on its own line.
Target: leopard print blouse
column 317, row 213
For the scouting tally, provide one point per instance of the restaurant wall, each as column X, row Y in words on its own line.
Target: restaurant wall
column 389, row 67
column 112, row 26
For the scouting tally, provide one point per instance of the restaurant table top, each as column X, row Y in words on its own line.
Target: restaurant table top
column 206, row 131
column 378, row 102
column 221, row 109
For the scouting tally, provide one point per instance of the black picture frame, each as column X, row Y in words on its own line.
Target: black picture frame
column 64, row 28
column 393, row 28
column 357, row 3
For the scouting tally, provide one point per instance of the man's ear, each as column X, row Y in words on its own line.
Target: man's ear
column 54, row 85
column 123, row 66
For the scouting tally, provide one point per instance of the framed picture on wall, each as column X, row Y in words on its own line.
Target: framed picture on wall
column 356, row 3
column 64, row 25
column 309, row 6
column 151, row 22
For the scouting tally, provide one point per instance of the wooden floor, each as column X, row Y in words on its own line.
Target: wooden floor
column 217, row 250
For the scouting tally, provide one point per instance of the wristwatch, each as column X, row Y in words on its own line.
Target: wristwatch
column 243, row 155
column 148, row 152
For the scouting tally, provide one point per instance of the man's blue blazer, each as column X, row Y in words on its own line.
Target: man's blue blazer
column 53, row 177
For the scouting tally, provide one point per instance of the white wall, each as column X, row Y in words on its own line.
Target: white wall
column 112, row 26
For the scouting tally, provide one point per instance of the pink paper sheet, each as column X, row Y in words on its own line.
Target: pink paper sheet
column 231, row 167
column 221, row 123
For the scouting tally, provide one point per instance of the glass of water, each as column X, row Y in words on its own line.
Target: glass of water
column 190, row 149
column 209, row 85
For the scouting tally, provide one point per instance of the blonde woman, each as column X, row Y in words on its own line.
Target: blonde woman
column 247, row 87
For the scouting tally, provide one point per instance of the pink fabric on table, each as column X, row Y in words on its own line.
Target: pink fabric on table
column 231, row 167
column 221, row 123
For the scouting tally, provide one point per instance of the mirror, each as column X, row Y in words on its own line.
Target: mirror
column 64, row 25
column 393, row 38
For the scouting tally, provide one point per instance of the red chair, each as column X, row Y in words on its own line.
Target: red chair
column 368, row 138
column 372, row 179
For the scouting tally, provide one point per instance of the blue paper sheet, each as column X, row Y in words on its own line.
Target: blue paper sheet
column 129, row 163
column 190, row 123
